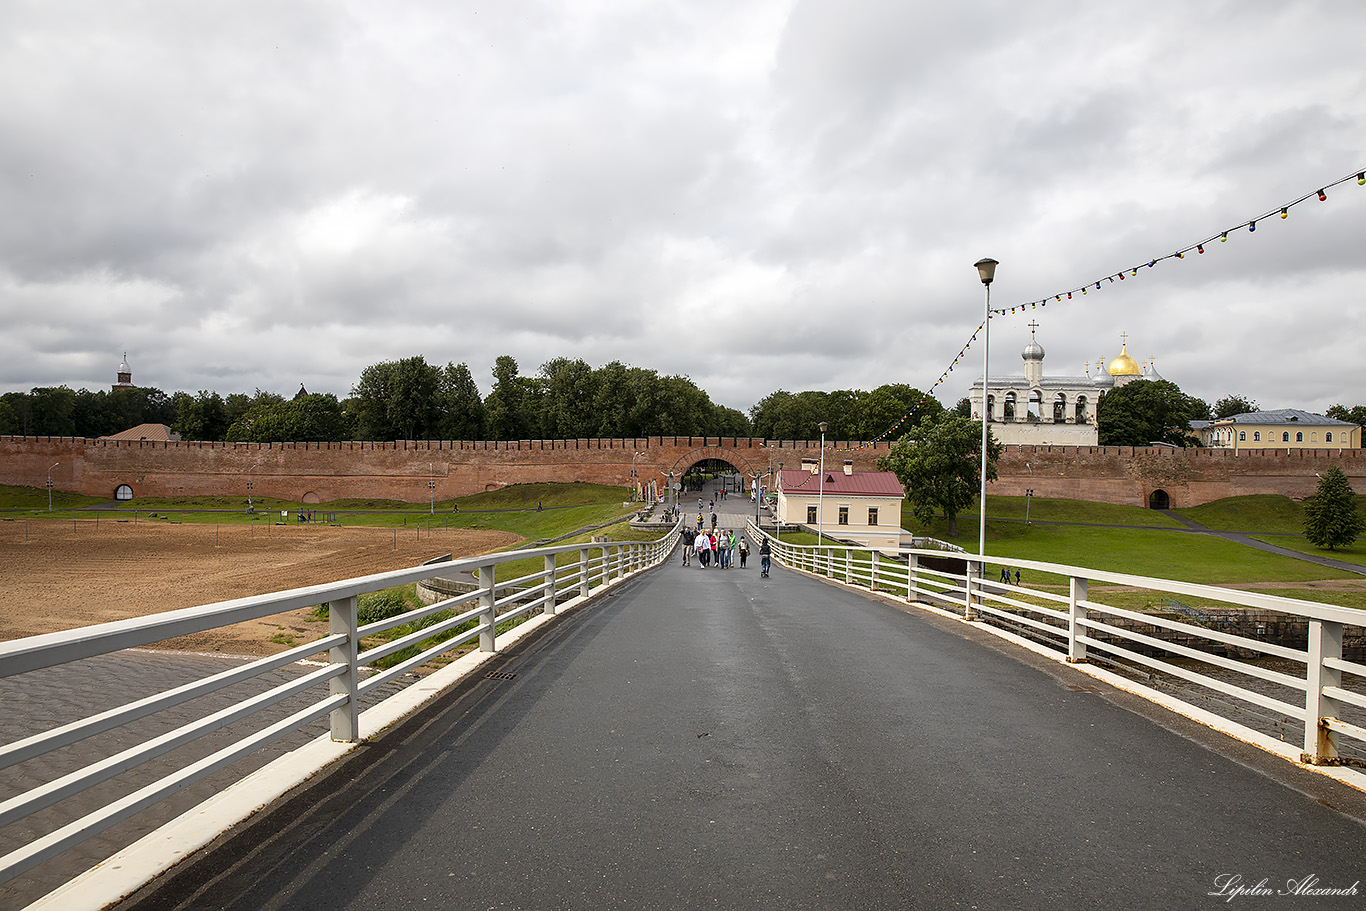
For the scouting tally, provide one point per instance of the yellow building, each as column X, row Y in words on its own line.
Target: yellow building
column 1287, row 428
column 859, row 506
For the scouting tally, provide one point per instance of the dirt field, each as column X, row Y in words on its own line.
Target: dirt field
column 65, row 576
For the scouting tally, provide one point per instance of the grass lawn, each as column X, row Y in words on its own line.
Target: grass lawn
column 1352, row 553
column 35, row 498
column 1143, row 551
column 1046, row 510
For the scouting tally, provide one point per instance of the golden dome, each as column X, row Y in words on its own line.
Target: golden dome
column 1123, row 365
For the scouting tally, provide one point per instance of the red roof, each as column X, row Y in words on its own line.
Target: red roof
column 158, row 432
column 858, row 484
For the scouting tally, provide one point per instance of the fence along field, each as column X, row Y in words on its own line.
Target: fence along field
column 57, row 574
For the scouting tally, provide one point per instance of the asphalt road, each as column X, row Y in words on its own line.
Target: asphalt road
column 708, row 739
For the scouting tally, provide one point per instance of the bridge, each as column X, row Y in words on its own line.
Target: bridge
column 853, row 731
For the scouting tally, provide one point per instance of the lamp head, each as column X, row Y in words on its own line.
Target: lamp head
column 986, row 268
column 824, row 426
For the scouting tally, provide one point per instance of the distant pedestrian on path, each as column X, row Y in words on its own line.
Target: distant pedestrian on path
column 744, row 551
column 1017, row 577
column 1005, row 575
column 765, row 551
column 687, row 545
column 703, row 547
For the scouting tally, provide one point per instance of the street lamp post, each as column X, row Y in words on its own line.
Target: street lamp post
column 820, row 495
column 754, row 477
column 1029, row 495
column 49, row 485
column 778, row 519
column 986, row 270
column 431, row 489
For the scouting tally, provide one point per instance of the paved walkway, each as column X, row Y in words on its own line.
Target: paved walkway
column 709, row 739
column 1241, row 538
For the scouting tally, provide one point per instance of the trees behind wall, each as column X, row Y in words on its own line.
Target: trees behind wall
column 940, row 466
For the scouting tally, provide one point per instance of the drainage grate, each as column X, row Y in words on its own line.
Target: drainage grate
column 499, row 675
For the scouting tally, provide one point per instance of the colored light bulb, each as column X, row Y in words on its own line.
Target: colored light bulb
column 1223, row 238
column 1284, row 213
column 1361, row 179
column 1069, row 295
column 1252, row 226
column 1323, row 197
column 1200, row 248
column 1180, row 255
column 1121, row 276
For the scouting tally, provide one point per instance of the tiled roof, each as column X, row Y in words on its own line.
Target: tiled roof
column 858, row 484
column 158, row 432
column 1283, row 416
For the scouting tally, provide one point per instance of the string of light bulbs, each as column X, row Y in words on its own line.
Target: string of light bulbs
column 1132, row 272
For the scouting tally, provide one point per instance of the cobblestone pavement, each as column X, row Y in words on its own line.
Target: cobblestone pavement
column 42, row 700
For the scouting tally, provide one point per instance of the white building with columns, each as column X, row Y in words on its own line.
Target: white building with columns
column 1043, row 410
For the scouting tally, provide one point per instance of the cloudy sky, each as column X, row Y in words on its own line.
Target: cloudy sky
column 760, row 195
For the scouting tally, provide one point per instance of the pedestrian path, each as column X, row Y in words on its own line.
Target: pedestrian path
column 717, row 740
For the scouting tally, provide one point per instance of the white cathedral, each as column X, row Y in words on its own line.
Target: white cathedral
column 1053, row 410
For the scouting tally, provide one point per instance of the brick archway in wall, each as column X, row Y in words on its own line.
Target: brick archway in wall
column 693, row 456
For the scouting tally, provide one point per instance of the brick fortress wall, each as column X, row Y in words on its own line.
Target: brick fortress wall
column 319, row 472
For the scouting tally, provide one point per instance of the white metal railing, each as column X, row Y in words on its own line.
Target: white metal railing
column 1079, row 629
column 569, row 574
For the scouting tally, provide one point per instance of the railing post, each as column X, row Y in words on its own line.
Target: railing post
column 912, row 576
column 583, row 572
column 549, row 606
column 848, row 567
column 341, row 620
column 487, row 595
column 968, row 612
column 1321, row 744
column 1076, row 612
column 872, row 571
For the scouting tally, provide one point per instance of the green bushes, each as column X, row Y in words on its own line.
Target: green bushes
column 376, row 606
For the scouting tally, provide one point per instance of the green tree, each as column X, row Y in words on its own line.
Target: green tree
column 894, row 410
column 1142, row 412
column 1230, row 405
column 200, row 417
column 397, row 400
column 462, row 410
column 963, row 407
column 1331, row 517
column 729, row 422
column 313, row 418
column 568, row 388
column 940, row 466
column 53, row 410
column 512, row 404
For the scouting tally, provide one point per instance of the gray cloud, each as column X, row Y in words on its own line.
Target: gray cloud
column 761, row 195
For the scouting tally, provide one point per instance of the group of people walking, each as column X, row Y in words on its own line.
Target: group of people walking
column 714, row 548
